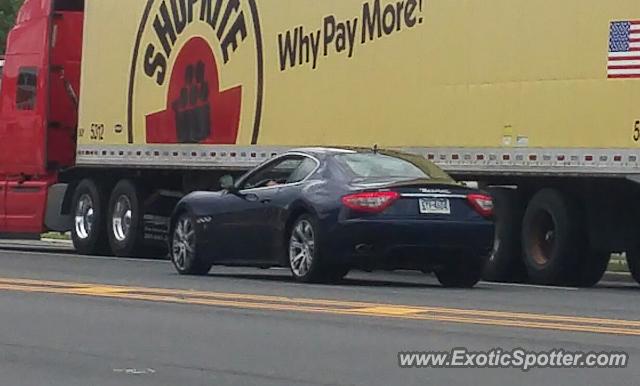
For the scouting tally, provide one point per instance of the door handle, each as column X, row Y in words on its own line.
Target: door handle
column 265, row 201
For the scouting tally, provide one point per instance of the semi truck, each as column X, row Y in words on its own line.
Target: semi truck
column 112, row 110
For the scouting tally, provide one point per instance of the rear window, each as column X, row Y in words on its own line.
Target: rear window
column 377, row 165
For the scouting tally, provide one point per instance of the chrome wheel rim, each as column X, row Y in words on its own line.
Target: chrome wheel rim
column 84, row 217
column 121, row 219
column 301, row 248
column 183, row 245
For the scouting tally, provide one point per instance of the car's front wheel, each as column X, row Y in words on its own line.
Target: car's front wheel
column 184, row 253
column 461, row 273
column 305, row 253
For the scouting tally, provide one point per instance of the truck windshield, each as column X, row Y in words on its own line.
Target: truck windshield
column 377, row 165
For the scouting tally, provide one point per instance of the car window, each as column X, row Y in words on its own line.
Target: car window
column 379, row 165
column 303, row 171
column 273, row 174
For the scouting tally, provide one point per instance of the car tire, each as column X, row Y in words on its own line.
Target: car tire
column 125, row 221
column 553, row 238
column 505, row 263
column 461, row 273
column 184, row 248
column 305, row 253
column 336, row 273
column 88, row 208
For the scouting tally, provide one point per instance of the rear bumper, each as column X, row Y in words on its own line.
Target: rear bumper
column 408, row 243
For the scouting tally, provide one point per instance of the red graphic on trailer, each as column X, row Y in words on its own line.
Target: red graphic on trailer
column 197, row 110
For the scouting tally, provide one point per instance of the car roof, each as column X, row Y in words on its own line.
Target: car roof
column 322, row 150
column 329, row 151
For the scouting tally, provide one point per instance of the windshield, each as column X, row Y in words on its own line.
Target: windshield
column 385, row 165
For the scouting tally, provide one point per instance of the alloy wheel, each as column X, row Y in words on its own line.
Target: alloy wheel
column 301, row 248
column 121, row 219
column 183, row 245
column 84, row 217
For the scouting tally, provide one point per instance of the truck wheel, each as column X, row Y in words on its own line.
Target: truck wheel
column 505, row 263
column 591, row 268
column 88, row 235
column 125, row 224
column 553, row 238
column 633, row 262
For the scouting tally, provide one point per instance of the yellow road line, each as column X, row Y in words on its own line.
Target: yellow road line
column 281, row 303
column 335, row 303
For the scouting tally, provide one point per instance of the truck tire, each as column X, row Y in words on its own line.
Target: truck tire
column 125, row 221
column 88, row 208
column 591, row 268
column 633, row 262
column 553, row 238
column 505, row 263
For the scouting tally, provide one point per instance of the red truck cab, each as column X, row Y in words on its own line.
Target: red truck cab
column 38, row 110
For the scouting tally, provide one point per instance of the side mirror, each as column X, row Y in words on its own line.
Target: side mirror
column 227, row 183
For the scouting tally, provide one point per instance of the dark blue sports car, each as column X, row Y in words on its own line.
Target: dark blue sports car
column 323, row 211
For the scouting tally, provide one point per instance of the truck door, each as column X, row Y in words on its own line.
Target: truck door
column 22, row 126
column 22, row 146
column 23, row 123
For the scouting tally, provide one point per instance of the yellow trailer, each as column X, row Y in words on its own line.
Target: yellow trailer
column 533, row 99
column 487, row 76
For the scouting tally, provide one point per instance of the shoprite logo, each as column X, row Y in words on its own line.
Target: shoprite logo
column 204, row 57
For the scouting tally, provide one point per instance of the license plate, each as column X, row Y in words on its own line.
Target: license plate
column 435, row 206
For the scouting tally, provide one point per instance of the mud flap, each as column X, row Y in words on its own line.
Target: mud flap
column 54, row 219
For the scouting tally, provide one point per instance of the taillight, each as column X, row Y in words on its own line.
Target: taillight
column 370, row 202
column 482, row 203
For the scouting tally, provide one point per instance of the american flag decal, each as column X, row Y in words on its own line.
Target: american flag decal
column 624, row 50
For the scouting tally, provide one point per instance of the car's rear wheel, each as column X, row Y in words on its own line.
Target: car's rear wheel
column 305, row 253
column 184, row 253
column 461, row 273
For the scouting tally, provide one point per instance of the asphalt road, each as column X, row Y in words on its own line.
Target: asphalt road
column 71, row 320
